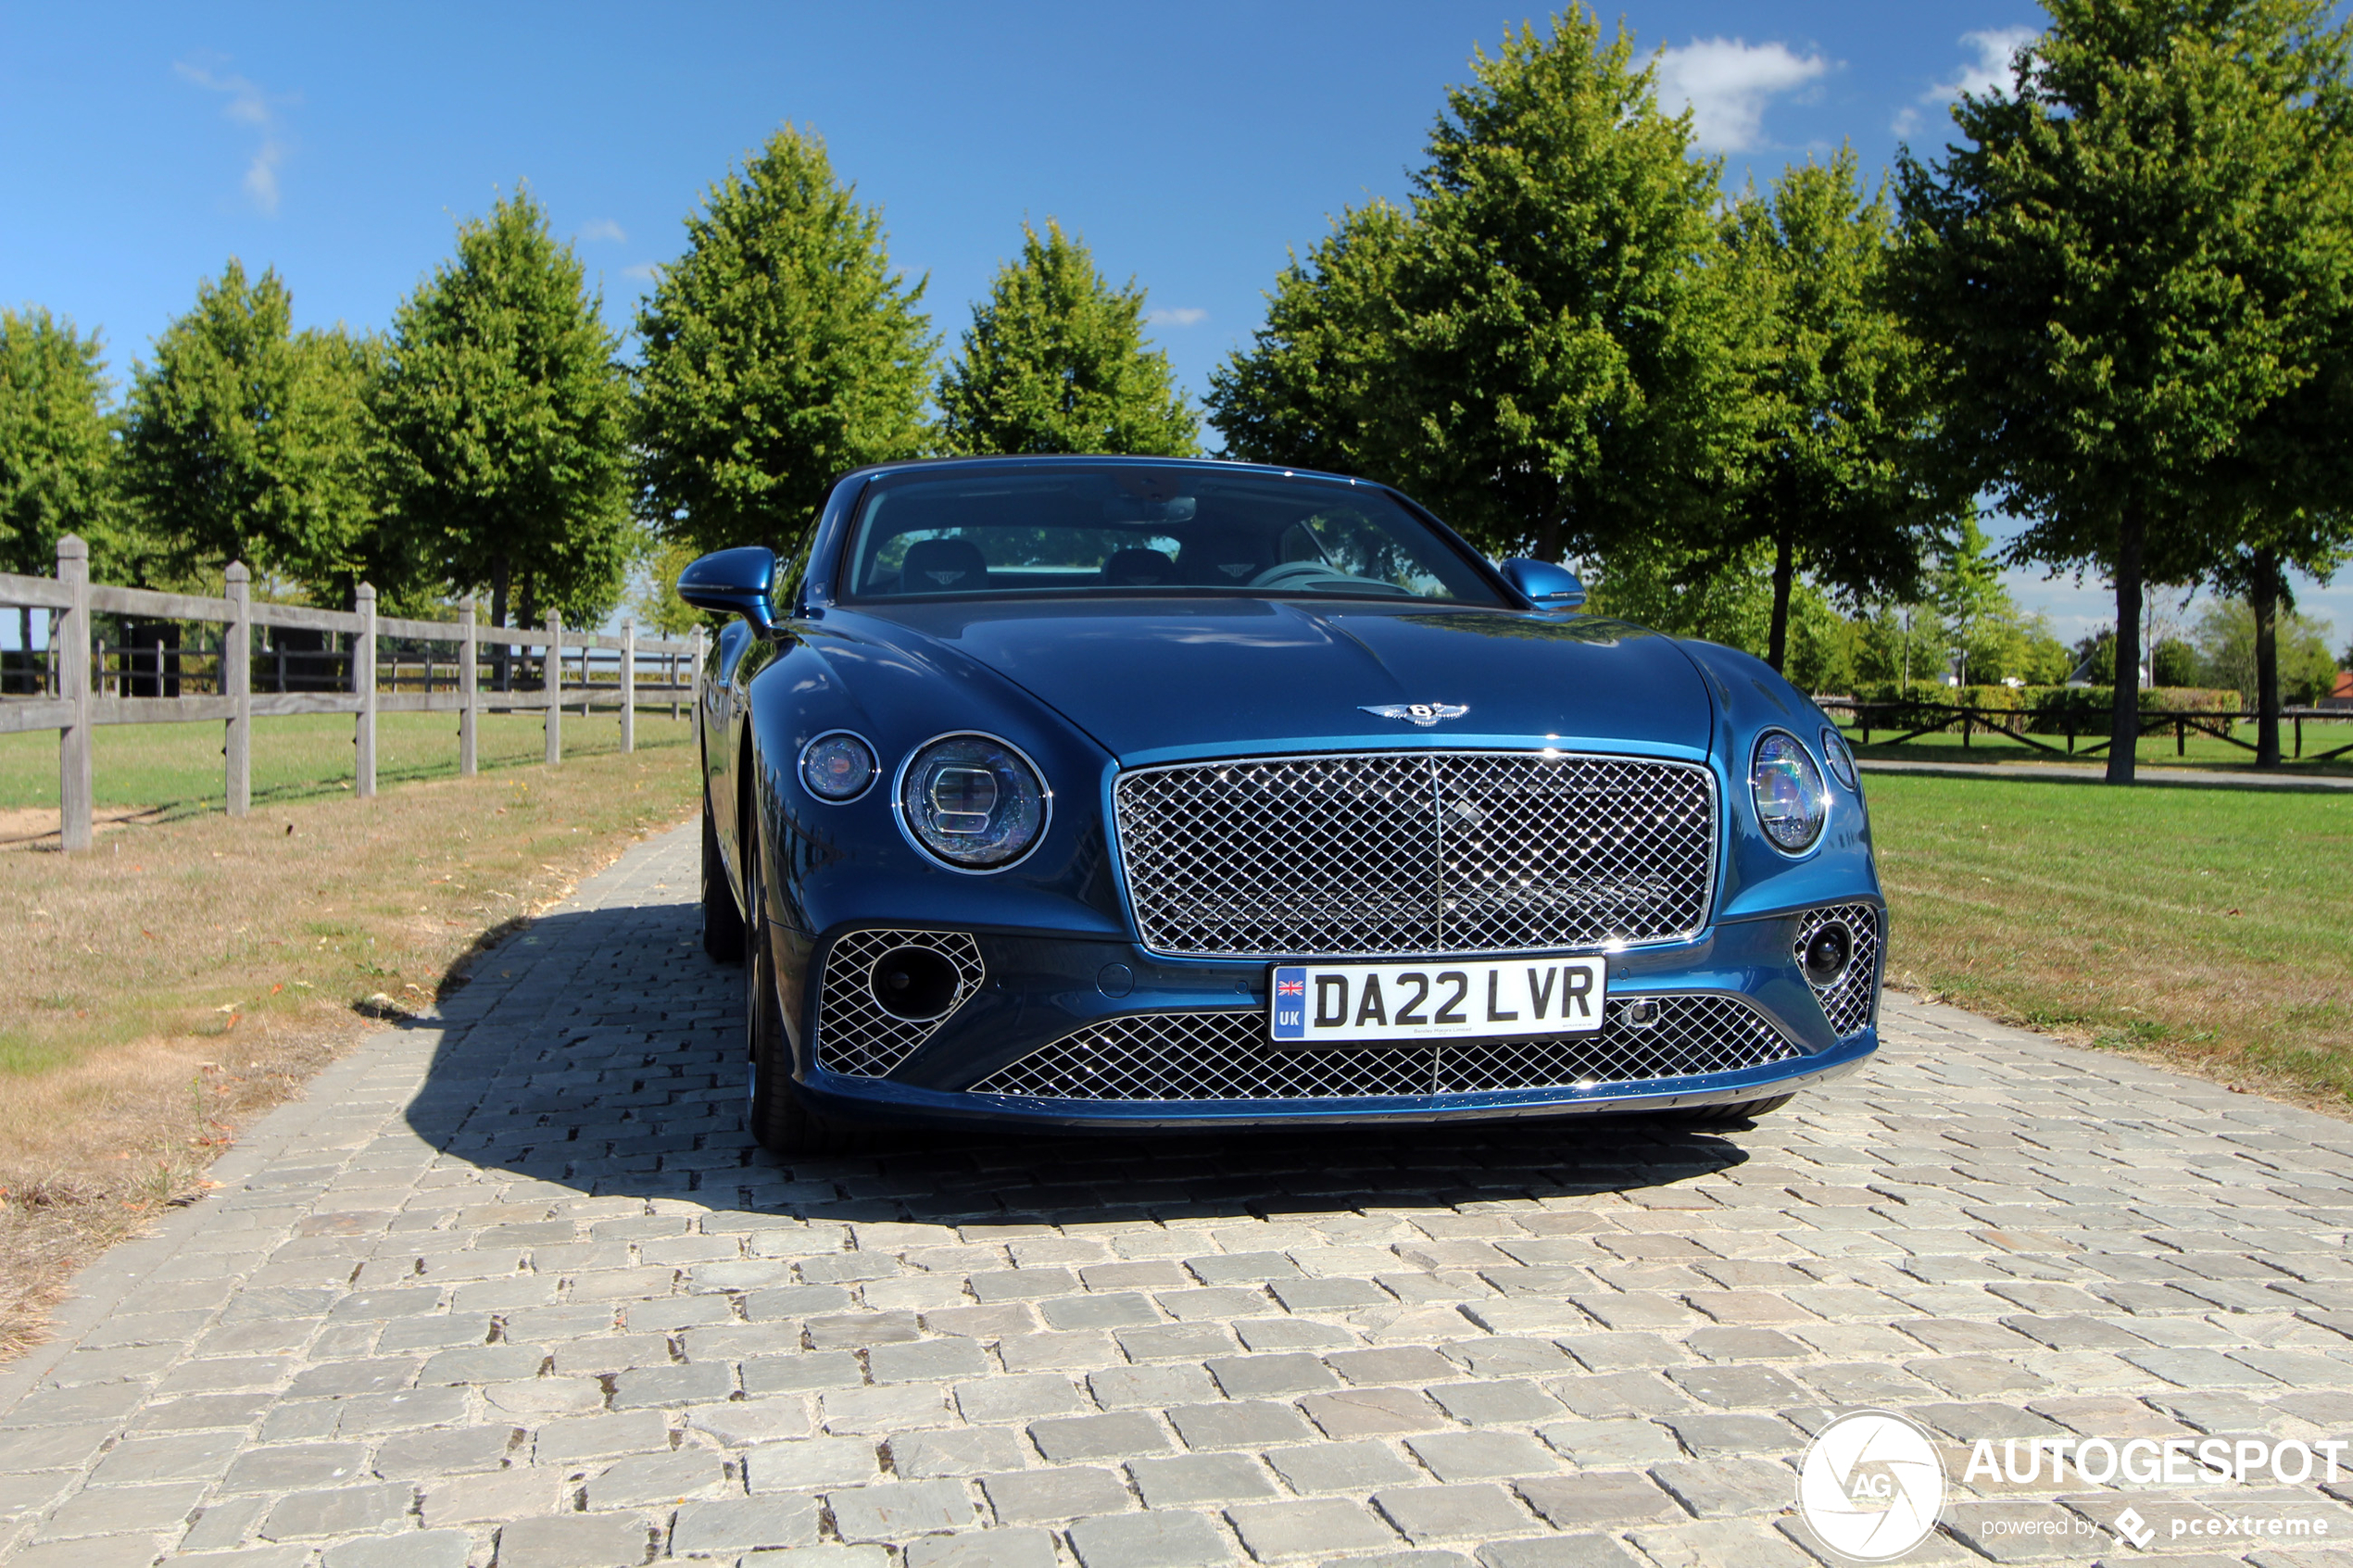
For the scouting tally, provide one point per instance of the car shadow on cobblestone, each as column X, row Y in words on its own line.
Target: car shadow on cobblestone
column 599, row 1052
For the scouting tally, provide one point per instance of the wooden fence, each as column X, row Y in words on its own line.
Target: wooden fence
column 1916, row 717
column 70, row 701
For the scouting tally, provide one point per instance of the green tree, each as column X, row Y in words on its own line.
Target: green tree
column 654, row 599
column 1556, row 360
column 2226, row 637
column 244, row 440
column 2175, row 662
column 1055, row 362
column 778, row 353
column 1309, row 389
column 2138, row 253
column 510, row 413
column 1904, row 644
column 1966, row 587
column 56, row 444
column 1832, row 484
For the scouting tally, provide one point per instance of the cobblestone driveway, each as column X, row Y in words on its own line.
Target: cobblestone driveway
column 515, row 1287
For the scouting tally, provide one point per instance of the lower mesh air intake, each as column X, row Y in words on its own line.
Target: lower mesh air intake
column 1849, row 1003
column 1220, row 1056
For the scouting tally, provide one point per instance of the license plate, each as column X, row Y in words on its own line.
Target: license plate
column 1446, row 999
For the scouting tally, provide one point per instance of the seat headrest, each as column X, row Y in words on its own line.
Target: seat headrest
column 1137, row 569
column 943, row 566
column 1226, row 559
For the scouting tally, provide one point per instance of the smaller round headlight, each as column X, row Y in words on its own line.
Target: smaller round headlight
column 1839, row 756
column 973, row 801
column 1791, row 806
column 837, row 767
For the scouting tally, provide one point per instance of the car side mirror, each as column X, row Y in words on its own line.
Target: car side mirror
column 737, row 582
column 1546, row 586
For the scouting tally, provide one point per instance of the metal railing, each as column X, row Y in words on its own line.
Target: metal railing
column 1916, row 717
column 72, row 691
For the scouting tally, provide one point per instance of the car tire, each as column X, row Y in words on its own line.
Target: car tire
column 780, row 1120
column 1739, row 1111
column 723, row 923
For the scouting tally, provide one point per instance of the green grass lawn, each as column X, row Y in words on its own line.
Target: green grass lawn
column 177, row 767
column 2155, row 751
column 2207, row 923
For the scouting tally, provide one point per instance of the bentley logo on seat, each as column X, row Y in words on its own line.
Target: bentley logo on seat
column 1424, row 714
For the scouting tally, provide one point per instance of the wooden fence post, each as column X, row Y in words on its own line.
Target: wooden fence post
column 69, row 643
column 552, row 670
column 628, row 685
column 467, row 703
column 363, row 683
column 236, row 684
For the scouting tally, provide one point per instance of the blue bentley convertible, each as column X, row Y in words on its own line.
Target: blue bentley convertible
column 1097, row 793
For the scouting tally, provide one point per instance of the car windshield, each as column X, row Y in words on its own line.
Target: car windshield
column 1133, row 528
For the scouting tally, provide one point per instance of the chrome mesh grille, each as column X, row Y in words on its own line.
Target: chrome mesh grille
column 854, row 1036
column 1225, row 1055
column 1850, row 1004
column 1401, row 853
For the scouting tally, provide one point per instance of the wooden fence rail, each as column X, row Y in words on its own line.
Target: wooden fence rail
column 1917, row 717
column 70, row 695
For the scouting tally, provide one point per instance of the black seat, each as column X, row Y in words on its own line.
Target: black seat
column 1137, row 569
column 1223, row 559
column 943, row 566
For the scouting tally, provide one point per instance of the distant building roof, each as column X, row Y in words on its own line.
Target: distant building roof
column 2343, row 687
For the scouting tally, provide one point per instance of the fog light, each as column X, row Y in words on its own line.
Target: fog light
column 914, row 984
column 1826, row 954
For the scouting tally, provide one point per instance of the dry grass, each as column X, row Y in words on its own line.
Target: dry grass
column 185, row 975
column 2210, row 931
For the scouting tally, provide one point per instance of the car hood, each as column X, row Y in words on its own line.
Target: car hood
column 1171, row 677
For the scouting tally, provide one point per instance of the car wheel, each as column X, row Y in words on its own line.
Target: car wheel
column 1739, row 1111
column 781, row 1121
column 723, row 923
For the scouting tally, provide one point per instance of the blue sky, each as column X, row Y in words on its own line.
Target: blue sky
column 1192, row 146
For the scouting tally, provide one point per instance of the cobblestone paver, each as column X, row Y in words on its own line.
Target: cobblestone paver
column 511, row 1287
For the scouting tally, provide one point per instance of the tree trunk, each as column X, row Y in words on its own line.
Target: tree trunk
column 499, row 575
column 2124, row 718
column 1548, row 539
column 2263, row 597
column 1776, row 643
column 527, row 612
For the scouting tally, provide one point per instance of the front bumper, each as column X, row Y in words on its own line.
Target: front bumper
column 1015, row 1048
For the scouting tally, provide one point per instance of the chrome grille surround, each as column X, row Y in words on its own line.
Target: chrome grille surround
column 1226, row 1055
column 1416, row 853
column 854, row 1036
column 1852, row 1003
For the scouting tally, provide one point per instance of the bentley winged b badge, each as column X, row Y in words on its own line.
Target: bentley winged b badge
column 1422, row 714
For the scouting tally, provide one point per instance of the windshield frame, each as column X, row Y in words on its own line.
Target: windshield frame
column 1494, row 591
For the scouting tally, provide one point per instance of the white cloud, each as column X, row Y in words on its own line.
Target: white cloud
column 1990, row 71
column 1726, row 83
column 603, row 229
column 1180, row 316
column 248, row 105
column 643, row 272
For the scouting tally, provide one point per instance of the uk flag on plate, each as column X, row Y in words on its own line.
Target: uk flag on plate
column 1291, row 1004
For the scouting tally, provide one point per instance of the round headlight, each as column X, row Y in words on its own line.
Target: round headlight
column 1790, row 803
column 973, row 801
column 1839, row 756
column 837, row 767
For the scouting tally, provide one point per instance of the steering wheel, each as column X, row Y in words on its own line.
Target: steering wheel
column 1292, row 571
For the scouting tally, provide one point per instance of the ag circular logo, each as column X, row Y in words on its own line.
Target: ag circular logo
column 1872, row 1487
